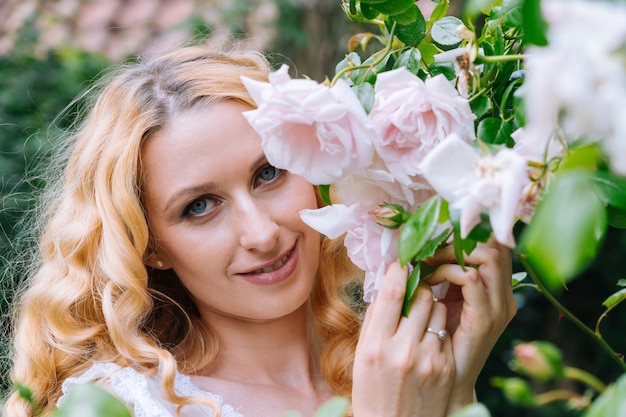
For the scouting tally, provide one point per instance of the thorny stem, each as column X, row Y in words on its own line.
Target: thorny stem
column 606, row 312
column 543, row 290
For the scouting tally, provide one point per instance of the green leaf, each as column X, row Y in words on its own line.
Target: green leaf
column 417, row 231
column 519, row 106
column 494, row 131
column 474, row 8
column 535, row 27
column 481, row 105
column 428, row 51
column 410, row 59
column 616, row 297
column 411, row 34
column 472, row 410
column 335, row 407
column 368, row 11
column 438, row 12
column 391, row 7
column 612, row 402
column 91, row 400
column 617, row 217
column 351, row 60
column 586, row 157
column 512, row 16
column 365, row 93
column 324, row 190
column 368, row 75
column 566, row 230
column 444, row 33
column 610, row 188
column 408, row 16
column 433, row 245
column 445, row 68
column 411, row 287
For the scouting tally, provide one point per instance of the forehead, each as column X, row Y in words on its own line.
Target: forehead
column 204, row 143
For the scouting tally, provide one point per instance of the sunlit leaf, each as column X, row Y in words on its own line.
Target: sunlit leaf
column 91, row 400
column 335, row 407
column 615, row 298
column 567, row 229
column 418, row 229
column 612, row 402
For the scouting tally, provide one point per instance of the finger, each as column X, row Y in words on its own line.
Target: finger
column 494, row 265
column 435, row 334
column 468, row 280
column 415, row 323
column 384, row 313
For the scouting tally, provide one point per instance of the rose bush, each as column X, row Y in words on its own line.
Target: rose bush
column 507, row 123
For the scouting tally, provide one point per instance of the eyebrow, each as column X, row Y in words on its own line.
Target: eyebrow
column 206, row 187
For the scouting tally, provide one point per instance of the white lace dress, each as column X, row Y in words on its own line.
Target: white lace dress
column 141, row 393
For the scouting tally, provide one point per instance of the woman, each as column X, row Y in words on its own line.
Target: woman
column 175, row 270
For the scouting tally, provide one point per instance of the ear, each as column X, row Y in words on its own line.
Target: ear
column 156, row 261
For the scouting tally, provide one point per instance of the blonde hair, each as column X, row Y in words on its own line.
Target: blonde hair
column 92, row 298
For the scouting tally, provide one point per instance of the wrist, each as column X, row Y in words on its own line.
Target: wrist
column 459, row 399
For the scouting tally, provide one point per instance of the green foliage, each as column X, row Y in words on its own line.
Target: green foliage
column 34, row 89
column 558, row 251
column 91, row 400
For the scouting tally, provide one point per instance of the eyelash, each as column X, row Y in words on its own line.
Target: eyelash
column 279, row 173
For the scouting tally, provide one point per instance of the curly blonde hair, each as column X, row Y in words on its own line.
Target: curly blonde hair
column 91, row 297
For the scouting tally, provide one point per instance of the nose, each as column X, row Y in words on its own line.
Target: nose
column 258, row 229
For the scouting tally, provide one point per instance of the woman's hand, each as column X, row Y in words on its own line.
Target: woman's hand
column 400, row 368
column 480, row 305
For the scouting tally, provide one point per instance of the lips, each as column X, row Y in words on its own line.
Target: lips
column 274, row 272
column 273, row 267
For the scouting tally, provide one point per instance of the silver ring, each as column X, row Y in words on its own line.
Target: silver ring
column 440, row 333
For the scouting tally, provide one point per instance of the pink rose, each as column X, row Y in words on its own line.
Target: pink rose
column 321, row 133
column 372, row 248
column 412, row 116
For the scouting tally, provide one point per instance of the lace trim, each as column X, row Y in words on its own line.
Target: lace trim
column 132, row 387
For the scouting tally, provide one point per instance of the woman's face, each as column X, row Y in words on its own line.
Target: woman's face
column 225, row 220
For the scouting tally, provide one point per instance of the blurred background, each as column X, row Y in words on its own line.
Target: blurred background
column 51, row 50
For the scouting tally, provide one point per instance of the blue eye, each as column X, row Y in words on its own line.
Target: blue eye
column 268, row 173
column 197, row 207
